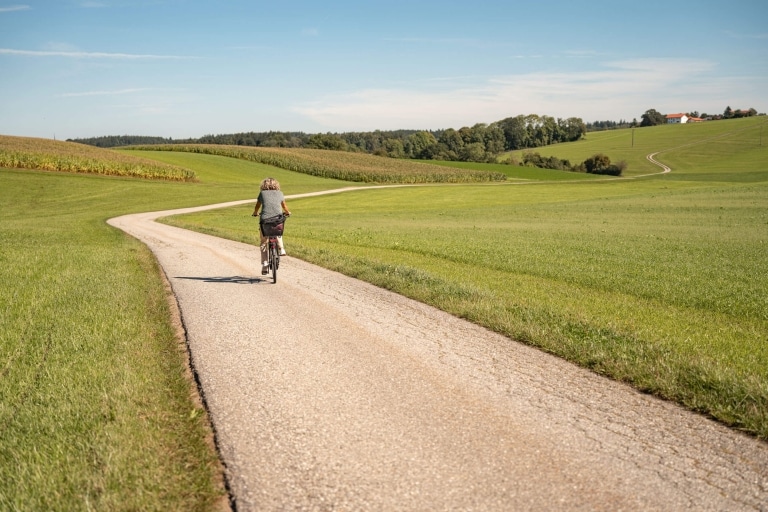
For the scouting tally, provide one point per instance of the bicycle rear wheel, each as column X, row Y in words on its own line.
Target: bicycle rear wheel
column 274, row 259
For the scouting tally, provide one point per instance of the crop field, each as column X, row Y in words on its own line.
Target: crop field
column 356, row 167
column 49, row 155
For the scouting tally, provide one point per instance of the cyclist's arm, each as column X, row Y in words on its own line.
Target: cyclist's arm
column 256, row 210
column 285, row 208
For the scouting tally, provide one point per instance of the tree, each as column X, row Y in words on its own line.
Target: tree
column 515, row 133
column 494, row 139
column 728, row 113
column 601, row 164
column 571, row 129
column 416, row 145
column 452, row 140
column 652, row 118
column 394, row 148
column 327, row 141
column 473, row 152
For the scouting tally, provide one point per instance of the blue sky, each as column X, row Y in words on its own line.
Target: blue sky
column 183, row 68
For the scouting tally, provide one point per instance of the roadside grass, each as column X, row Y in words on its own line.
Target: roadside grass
column 96, row 411
column 659, row 283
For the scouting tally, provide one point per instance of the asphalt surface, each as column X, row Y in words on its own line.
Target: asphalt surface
column 327, row 393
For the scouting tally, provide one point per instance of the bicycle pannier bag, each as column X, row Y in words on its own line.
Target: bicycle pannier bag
column 273, row 226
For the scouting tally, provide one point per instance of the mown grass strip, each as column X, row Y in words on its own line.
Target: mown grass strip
column 49, row 155
column 356, row 167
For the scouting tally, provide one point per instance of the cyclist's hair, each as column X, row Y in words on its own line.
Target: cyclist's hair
column 270, row 184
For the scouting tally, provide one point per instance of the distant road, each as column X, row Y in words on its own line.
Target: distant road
column 651, row 158
column 327, row 393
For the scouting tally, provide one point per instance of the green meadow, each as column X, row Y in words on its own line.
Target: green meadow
column 659, row 281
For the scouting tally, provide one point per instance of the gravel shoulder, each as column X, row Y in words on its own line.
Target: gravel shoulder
column 327, row 393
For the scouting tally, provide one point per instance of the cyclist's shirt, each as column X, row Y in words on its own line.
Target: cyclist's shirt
column 270, row 203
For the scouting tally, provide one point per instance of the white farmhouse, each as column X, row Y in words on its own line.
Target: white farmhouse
column 677, row 118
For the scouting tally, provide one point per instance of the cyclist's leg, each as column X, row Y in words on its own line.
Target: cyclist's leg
column 281, row 245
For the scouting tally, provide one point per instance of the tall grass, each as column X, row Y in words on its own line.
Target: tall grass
column 50, row 155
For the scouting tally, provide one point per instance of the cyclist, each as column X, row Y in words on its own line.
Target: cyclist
column 272, row 203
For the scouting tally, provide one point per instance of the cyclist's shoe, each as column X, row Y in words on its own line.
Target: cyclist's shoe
column 282, row 253
column 265, row 271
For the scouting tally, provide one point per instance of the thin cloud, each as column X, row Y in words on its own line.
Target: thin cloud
column 87, row 55
column 14, row 8
column 622, row 89
column 739, row 35
column 102, row 93
column 456, row 41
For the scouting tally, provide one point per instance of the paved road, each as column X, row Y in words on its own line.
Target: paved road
column 330, row 394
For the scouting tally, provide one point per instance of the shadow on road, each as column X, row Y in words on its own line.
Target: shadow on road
column 232, row 279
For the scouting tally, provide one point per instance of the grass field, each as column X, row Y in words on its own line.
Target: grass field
column 95, row 408
column 658, row 281
column 736, row 145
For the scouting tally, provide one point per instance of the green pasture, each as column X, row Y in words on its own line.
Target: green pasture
column 95, row 408
column 718, row 146
column 660, row 282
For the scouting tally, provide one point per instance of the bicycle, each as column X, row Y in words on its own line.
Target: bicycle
column 273, row 228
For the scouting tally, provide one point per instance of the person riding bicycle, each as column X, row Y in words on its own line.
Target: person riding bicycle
column 272, row 203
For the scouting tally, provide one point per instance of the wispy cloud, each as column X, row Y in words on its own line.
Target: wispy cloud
column 451, row 41
column 740, row 35
column 12, row 8
column 102, row 93
column 619, row 89
column 87, row 55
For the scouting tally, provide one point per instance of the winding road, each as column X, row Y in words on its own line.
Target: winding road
column 327, row 393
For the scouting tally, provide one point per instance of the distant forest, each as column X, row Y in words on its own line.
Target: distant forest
column 479, row 143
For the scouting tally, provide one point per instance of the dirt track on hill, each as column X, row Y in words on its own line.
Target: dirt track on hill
column 327, row 393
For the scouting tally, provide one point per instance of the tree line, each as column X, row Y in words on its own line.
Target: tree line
column 479, row 143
